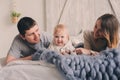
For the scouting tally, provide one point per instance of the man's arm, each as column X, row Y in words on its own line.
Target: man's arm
column 10, row 58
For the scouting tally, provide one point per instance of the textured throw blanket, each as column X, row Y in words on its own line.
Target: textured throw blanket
column 105, row 66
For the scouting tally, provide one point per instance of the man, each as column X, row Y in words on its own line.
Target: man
column 28, row 41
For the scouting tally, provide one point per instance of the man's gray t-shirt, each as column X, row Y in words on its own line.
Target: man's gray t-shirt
column 21, row 48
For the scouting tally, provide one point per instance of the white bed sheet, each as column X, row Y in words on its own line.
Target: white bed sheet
column 29, row 70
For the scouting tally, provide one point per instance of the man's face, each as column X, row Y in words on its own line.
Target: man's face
column 32, row 35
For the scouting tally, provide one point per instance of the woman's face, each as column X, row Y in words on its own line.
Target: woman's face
column 98, row 32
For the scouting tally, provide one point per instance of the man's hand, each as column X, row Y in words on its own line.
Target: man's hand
column 10, row 58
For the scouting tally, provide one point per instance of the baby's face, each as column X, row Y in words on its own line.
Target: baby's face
column 60, row 38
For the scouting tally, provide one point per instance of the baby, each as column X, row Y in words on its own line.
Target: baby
column 61, row 41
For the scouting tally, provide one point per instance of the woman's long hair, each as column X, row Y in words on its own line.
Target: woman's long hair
column 110, row 24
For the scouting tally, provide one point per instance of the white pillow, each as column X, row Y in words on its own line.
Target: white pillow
column 77, row 39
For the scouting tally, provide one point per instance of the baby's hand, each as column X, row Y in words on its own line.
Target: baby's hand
column 62, row 51
column 65, row 51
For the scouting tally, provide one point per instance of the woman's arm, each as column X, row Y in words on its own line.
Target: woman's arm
column 85, row 51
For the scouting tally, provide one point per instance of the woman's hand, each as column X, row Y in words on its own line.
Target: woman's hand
column 82, row 51
column 106, row 35
column 85, row 51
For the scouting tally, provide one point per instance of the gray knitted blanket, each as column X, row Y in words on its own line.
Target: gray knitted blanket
column 105, row 66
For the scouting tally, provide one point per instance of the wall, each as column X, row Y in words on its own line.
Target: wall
column 75, row 14
column 8, row 30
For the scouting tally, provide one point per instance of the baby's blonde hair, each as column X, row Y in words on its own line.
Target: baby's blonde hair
column 60, row 27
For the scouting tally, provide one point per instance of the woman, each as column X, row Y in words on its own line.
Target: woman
column 105, row 35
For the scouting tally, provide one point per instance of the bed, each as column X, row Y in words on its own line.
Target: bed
column 28, row 70
column 50, row 65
